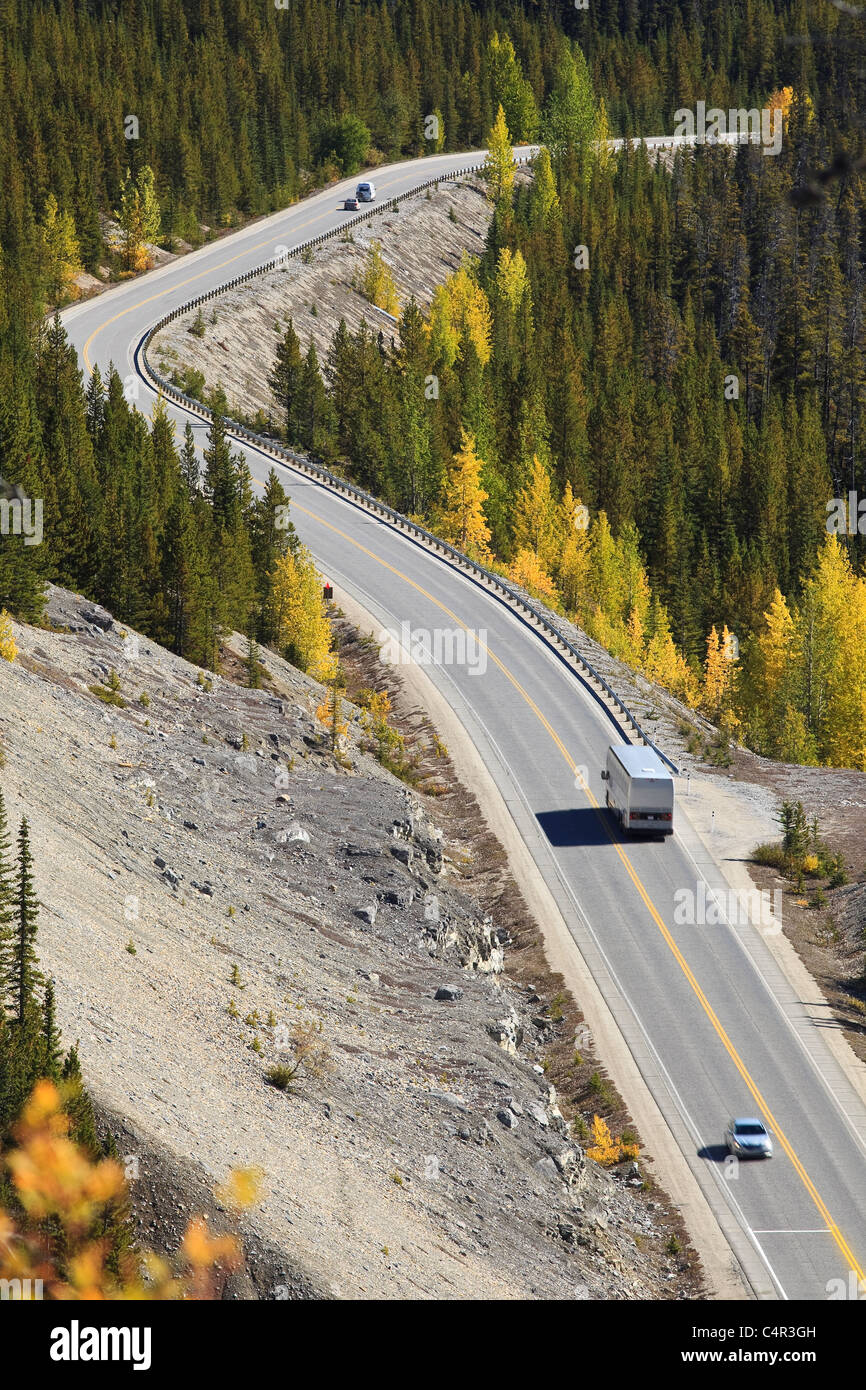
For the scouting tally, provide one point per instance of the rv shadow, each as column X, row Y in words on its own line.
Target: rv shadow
column 577, row 826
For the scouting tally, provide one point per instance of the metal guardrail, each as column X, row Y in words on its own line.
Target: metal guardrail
column 357, row 495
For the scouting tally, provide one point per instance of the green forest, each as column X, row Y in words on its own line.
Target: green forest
column 672, row 351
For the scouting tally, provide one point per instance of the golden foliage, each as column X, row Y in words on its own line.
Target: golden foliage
column 462, row 519
column 303, row 631
column 377, row 284
column 8, row 645
column 59, row 1185
column 60, row 251
column 459, row 310
column 512, row 278
column 719, row 677
column 804, row 688
column 498, row 171
column 527, row 571
column 535, row 516
column 606, row 1150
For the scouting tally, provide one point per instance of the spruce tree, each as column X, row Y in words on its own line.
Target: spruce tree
column 7, row 911
column 287, row 382
column 25, row 968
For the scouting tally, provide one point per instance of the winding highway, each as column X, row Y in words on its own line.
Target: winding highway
column 713, row 1026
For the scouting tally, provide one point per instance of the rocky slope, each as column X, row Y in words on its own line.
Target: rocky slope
column 212, row 877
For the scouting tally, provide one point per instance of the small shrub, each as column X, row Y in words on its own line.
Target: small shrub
column 280, row 1076
column 144, row 699
column 233, row 1009
column 197, row 327
column 580, row 1129
column 109, row 693
column 311, row 1054
column 130, row 946
column 773, row 856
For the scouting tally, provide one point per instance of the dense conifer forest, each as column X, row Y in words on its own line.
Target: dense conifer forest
column 584, row 365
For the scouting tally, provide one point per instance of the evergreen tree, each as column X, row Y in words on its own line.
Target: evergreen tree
column 287, row 383
column 7, row 913
column 25, row 970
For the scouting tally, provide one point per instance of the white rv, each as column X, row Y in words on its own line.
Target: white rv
column 640, row 789
column 366, row 192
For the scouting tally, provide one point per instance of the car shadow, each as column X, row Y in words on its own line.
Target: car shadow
column 714, row 1153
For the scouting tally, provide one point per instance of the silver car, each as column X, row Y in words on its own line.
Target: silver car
column 749, row 1139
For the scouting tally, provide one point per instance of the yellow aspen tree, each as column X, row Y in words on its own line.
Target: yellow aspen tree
column 527, row 571
column 605, row 568
column 60, row 250
column 772, row 678
column 665, row 664
column 777, row 646
column 498, row 171
column 572, row 566
column 512, row 278
column 8, row 645
column 459, row 309
column 442, row 327
column 715, row 675
column 378, row 283
column 472, row 311
column 635, row 638
column 462, row 519
column 535, row 516
column 832, row 623
column 298, row 609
